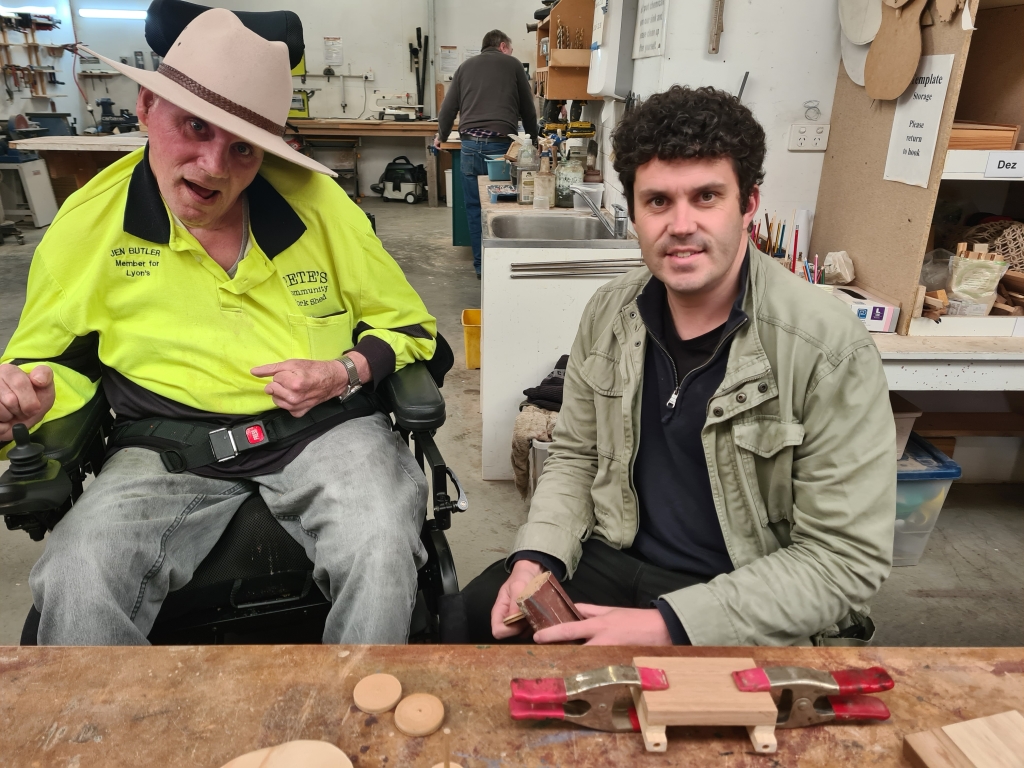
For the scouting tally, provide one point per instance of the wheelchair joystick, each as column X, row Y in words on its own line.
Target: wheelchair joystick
column 34, row 489
column 26, row 457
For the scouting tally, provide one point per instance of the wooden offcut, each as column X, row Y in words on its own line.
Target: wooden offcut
column 545, row 604
column 986, row 742
column 703, row 692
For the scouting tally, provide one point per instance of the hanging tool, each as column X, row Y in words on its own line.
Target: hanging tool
column 810, row 696
column 601, row 699
column 418, row 66
column 717, row 25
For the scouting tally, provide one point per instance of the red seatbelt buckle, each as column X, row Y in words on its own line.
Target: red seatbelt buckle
column 255, row 434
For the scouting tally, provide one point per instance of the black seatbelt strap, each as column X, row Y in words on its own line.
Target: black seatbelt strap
column 185, row 445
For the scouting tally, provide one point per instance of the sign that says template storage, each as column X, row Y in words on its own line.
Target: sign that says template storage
column 649, row 39
column 915, row 127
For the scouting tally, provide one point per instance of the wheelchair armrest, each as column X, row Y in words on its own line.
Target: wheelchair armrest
column 67, row 439
column 411, row 394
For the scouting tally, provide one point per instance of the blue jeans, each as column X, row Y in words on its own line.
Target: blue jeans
column 354, row 498
column 473, row 163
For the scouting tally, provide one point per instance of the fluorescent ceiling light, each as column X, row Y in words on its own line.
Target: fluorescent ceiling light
column 100, row 13
column 41, row 10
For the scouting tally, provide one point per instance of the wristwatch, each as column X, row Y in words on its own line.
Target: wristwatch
column 354, row 384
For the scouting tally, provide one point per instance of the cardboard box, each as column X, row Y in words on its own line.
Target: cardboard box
column 877, row 315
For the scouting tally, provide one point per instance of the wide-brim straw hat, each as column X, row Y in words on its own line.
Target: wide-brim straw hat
column 227, row 75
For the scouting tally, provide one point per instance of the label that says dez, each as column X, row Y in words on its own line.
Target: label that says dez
column 1005, row 165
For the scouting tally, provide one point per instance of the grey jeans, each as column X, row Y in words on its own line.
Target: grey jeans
column 354, row 498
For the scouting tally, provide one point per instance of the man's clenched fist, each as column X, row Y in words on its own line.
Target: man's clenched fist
column 24, row 397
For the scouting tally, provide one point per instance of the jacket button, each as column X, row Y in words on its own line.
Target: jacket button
column 632, row 315
column 741, row 398
column 762, row 387
column 636, row 343
column 718, row 411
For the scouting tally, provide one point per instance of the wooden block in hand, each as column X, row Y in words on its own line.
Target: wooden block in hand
column 545, row 603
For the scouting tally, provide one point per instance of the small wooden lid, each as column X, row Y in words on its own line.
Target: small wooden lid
column 419, row 714
column 309, row 754
column 377, row 693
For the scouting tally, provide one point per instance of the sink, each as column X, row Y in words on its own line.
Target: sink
column 541, row 226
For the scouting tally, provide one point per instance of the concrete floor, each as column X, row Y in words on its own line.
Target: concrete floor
column 968, row 589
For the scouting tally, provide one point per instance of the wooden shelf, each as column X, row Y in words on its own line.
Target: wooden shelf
column 970, row 424
column 970, row 164
column 564, row 76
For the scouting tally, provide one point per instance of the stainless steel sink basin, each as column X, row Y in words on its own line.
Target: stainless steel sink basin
column 541, row 226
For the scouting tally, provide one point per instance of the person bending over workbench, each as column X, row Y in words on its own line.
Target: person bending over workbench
column 214, row 275
column 722, row 469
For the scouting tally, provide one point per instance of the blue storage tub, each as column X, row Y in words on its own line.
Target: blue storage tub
column 923, row 478
column 498, row 168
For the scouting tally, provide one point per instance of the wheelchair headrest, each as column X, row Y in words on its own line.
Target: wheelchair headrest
column 167, row 18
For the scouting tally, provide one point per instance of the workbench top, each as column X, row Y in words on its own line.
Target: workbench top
column 894, row 346
column 110, row 142
column 201, row 706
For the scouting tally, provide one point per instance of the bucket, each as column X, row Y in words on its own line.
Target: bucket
column 498, row 168
column 594, row 191
column 471, row 337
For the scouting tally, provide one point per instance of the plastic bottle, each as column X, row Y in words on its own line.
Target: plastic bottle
column 567, row 174
column 528, row 164
column 544, row 181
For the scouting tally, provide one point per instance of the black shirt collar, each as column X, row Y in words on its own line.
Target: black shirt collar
column 653, row 302
column 275, row 224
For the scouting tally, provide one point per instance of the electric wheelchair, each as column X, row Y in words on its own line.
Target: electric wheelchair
column 256, row 585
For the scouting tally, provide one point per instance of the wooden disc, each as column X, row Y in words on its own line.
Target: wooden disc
column 419, row 714
column 377, row 693
column 308, row 754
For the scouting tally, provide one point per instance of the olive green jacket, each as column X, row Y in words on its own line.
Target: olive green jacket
column 800, row 444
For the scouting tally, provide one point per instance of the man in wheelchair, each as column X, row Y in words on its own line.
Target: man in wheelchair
column 238, row 312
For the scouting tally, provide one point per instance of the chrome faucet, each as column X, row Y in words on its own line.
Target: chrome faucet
column 617, row 228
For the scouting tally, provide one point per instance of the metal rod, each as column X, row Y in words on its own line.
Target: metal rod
column 520, row 266
column 521, row 275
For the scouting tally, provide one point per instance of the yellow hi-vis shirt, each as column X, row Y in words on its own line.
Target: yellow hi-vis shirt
column 117, row 289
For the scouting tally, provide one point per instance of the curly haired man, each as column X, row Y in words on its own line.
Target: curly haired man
column 722, row 470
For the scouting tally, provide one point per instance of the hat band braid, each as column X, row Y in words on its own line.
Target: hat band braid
column 222, row 102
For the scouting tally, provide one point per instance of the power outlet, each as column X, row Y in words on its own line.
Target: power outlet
column 368, row 75
column 808, row 137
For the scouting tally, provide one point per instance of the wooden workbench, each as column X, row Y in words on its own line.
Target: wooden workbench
column 201, row 706
column 336, row 128
column 84, row 156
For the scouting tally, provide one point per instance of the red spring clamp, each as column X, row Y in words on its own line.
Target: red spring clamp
column 810, row 696
column 600, row 699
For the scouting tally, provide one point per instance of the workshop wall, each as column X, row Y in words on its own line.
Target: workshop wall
column 375, row 36
column 792, row 54
column 65, row 97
